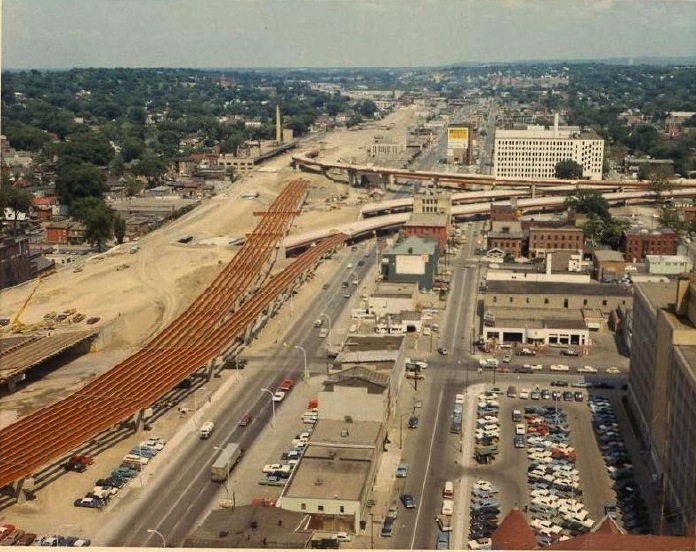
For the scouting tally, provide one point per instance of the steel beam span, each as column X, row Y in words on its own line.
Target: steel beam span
column 179, row 350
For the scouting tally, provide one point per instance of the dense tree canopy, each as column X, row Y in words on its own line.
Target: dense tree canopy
column 568, row 170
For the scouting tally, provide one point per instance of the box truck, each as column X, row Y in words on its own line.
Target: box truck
column 225, row 461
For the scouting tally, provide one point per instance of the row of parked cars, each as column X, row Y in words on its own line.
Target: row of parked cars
column 629, row 502
column 484, row 512
column 12, row 536
column 556, row 510
column 487, row 434
column 107, row 487
column 277, row 474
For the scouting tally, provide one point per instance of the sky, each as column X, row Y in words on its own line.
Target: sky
column 49, row 34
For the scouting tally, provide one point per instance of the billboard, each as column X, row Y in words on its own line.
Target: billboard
column 458, row 137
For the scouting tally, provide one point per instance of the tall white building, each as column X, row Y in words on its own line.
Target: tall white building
column 533, row 152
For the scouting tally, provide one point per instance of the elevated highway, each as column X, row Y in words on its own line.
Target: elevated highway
column 383, row 218
column 310, row 160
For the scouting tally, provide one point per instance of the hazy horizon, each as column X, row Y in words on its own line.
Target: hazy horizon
column 335, row 34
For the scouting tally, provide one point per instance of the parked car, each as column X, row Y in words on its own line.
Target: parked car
column 402, row 470
column 570, row 352
column 413, row 422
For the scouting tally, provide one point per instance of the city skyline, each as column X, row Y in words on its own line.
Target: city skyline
column 338, row 33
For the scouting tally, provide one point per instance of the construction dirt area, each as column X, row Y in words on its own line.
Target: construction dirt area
column 136, row 295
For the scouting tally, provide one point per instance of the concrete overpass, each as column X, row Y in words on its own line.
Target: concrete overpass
column 310, row 160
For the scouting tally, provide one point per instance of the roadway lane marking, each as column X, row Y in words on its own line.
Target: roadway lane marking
column 427, row 467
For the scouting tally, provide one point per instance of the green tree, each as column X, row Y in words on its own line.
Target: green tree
column 152, row 167
column 119, row 228
column 669, row 218
column 98, row 219
column 133, row 186
column 366, row 108
column 568, row 170
column 591, row 202
column 75, row 181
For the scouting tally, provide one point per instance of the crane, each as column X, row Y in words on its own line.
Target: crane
column 16, row 323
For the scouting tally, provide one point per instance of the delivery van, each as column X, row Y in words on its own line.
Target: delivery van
column 206, row 430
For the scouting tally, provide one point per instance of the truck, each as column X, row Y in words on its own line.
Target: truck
column 225, row 461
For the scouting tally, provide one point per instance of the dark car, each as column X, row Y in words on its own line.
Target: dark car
column 361, row 262
column 578, row 396
column 570, row 352
column 413, row 422
column 442, row 350
column 567, row 395
column 246, row 420
column 559, row 383
column 388, row 527
column 603, row 385
column 407, row 500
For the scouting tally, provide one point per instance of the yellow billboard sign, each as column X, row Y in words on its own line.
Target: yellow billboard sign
column 458, row 137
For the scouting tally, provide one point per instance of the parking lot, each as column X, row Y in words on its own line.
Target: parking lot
column 558, row 477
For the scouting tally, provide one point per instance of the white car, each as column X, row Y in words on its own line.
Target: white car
column 524, row 394
column 613, row 370
column 447, row 507
column 520, row 429
column 349, row 265
column 459, row 398
column 587, row 370
column 278, row 396
column 480, row 544
column 342, row 536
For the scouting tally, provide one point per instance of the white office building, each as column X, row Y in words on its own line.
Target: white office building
column 533, row 152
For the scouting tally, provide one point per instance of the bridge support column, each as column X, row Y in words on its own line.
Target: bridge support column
column 435, row 182
column 210, row 367
column 138, row 422
column 282, row 252
column 533, row 190
column 19, row 495
column 352, row 178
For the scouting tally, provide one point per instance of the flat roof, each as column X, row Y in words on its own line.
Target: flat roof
column 333, row 466
column 518, row 287
column 427, row 219
column 394, row 289
column 659, row 295
column 537, row 318
column 606, row 255
column 362, row 343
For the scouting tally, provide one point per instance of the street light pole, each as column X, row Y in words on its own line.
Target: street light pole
column 272, row 405
column 304, row 354
column 160, row 535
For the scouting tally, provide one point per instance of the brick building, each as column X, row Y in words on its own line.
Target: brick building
column 544, row 240
column 65, row 233
column 639, row 242
column 431, row 226
column 503, row 211
column 608, row 265
column 507, row 236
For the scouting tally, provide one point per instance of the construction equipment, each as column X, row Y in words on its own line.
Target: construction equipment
column 16, row 322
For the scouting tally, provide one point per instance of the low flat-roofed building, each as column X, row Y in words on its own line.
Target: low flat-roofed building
column 555, row 295
column 392, row 298
column 335, row 474
column 536, row 327
column 608, row 265
column 251, row 526
column 669, row 265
